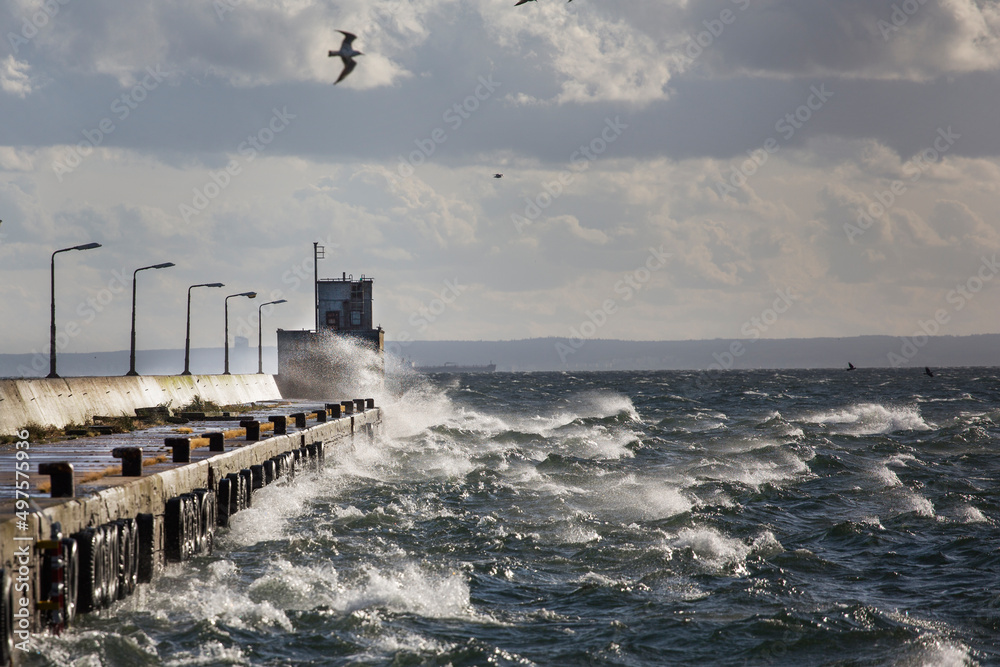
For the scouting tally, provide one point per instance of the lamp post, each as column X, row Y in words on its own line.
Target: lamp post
column 131, row 356
column 260, row 328
column 249, row 295
column 187, row 338
column 52, row 325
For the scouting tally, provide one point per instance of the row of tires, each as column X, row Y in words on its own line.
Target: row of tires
column 97, row 566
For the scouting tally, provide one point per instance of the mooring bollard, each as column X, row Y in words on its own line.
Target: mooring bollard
column 181, row 448
column 216, row 442
column 60, row 478
column 253, row 429
column 359, row 405
column 321, row 415
column 300, row 419
column 280, row 424
column 369, row 403
column 268, row 467
column 348, row 407
column 131, row 460
column 335, row 410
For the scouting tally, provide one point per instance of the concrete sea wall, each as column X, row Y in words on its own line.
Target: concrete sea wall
column 61, row 401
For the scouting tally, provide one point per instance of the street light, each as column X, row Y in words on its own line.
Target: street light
column 52, row 325
column 249, row 295
column 260, row 327
column 187, row 338
column 131, row 356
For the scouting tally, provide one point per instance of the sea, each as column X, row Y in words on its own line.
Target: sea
column 792, row 517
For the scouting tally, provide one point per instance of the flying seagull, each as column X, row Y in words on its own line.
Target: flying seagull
column 521, row 2
column 850, row 366
column 347, row 54
column 927, row 372
column 499, row 175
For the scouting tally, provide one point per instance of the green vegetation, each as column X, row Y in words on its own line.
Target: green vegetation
column 211, row 407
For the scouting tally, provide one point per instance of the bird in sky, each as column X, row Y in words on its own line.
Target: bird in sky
column 347, row 54
column 521, row 2
column 497, row 175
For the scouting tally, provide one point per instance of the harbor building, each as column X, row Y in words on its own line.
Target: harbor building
column 325, row 361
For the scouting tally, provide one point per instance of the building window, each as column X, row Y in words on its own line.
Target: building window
column 356, row 318
column 333, row 319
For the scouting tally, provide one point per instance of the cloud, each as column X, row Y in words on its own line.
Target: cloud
column 914, row 40
column 14, row 79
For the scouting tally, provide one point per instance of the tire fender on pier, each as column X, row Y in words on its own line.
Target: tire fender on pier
column 71, row 578
column 112, row 563
column 173, row 529
column 223, row 494
column 90, row 545
column 206, row 527
column 128, row 546
column 145, row 528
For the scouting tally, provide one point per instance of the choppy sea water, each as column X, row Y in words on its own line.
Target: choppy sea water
column 759, row 518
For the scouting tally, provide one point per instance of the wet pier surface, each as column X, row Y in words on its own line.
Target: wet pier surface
column 92, row 455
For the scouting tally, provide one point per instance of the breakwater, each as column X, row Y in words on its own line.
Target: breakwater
column 92, row 539
column 61, row 401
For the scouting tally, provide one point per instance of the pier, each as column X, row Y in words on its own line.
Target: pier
column 84, row 521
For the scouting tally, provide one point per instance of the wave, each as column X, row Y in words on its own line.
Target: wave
column 870, row 419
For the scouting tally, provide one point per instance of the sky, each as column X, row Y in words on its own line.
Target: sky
column 672, row 169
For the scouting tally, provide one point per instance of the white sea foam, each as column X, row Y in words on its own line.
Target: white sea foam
column 272, row 507
column 938, row 652
column 409, row 589
column 711, row 549
column 210, row 653
column 574, row 533
column 884, row 476
column 632, row 498
column 224, row 598
column 870, row 419
column 903, row 501
column 603, row 404
column 714, row 552
column 754, row 468
column 969, row 514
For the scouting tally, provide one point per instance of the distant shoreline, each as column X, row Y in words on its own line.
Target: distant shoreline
column 559, row 354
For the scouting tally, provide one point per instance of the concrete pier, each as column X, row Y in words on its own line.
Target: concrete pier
column 138, row 500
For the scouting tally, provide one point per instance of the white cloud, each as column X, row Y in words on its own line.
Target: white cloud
column 14, row 79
